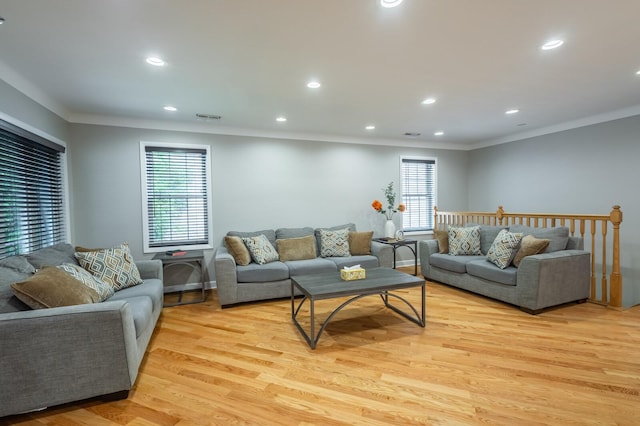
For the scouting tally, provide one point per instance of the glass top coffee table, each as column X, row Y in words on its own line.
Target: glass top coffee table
column 380, row 281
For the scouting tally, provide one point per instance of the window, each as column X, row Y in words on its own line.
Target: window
column 31, row 192
column 418, row 177
column 176, row 200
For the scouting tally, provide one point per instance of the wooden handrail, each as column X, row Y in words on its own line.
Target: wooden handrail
column 610, row 287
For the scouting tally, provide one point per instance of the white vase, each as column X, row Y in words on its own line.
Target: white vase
column 390, row 229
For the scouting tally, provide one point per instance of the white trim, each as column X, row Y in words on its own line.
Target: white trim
column 145, row 212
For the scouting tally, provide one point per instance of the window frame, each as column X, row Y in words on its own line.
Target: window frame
column 145, row 195
column 435, row 190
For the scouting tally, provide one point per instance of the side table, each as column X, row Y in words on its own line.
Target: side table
column 395, row 243
column 192, row 258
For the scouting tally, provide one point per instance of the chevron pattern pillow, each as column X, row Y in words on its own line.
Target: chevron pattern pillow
column 334, row 243
column 103, row 289
column 503, row 248
column 261, row 249
column 464, row 241
column 115, row 266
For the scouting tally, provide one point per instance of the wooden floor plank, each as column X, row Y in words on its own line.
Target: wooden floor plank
column 477, row 362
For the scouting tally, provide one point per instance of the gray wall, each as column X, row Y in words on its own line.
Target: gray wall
column 257, row 183
column 585, row 170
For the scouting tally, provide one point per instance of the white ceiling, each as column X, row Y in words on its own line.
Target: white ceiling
column 249, row 61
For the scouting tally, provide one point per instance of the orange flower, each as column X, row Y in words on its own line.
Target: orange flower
column 377, row 205
column 401, row 208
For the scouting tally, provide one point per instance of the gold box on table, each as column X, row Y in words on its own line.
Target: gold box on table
column 353, row 274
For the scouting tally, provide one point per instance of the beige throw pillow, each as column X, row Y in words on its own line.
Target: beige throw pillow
column 528, row 246
column 360, row 243
column 443, row 241
column 238, row 250
column 51, row 287
column 300, row 248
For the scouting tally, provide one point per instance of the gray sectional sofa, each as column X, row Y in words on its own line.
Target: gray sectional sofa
column 253, row 282
column 556, row 276
column 58, row 355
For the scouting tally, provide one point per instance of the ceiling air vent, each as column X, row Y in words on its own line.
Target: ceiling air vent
column 412, row 134
column 208, row 116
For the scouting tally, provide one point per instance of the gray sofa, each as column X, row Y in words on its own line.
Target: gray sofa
column 558, row 275
column 246, row 283
column 59, row 355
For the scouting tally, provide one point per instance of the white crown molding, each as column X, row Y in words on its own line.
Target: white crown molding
column 582, row 122
column 235, row 131
column 25, row 87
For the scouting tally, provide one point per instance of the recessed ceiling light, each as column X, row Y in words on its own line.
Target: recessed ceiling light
column 155, row 61
column 512, row 111
column 552, row 44
column 370, row 127
column 438, row 133
column 313, row 84
column 281, row 119
column 390, row 3
column 429, row 101
column 638, row 72
column 170, row 108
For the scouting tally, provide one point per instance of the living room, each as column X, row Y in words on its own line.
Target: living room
column 274, row 177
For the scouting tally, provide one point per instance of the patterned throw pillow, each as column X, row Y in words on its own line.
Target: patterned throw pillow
column 464, row 241
column 261, row 249
column 103, row 289
column 334, row 243
column 114, row 266
column 503, row 248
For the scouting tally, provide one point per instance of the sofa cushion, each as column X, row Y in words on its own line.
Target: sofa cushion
column 349, row 226
column 310, row 266
column 152, row 288
column 284, row 233
column 334, row 243
column 269, row 233
column 453, row 263
column 558, row 236
column 365, row 261
column 51, row 287
column 261, row 249
column 237, row 249
column 443, row 240
column 530, row 245
column 54, row 255
column 503, row 249
column 19, row 264
column 103, row 289
column 464, row 241
column 115, row 266
column 300, row 248
column 490, row 272
column 360, row 242
column 272, row 271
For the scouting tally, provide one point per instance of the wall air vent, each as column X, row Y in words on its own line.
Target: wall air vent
column 208, row 116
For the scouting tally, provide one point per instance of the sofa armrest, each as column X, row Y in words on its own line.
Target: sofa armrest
column 226, row 277
column 150, row 269
column 384, row 253
column 551, row 279
column 425, row 249
column 54, row 356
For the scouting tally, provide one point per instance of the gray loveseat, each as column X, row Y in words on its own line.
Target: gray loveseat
column 59, row 355
column 556, row 276
column 252, row 282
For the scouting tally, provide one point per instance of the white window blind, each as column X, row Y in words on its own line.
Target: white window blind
column 177, row 197
column 31, row 192
column 418, row 193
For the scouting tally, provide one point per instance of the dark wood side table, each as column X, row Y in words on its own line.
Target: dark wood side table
column 192, row 258
column 395, row 243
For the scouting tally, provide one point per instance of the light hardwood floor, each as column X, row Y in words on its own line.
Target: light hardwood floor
column 477, row 361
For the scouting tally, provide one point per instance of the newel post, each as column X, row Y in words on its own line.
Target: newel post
column 435, row 217
column 499, row 214
column 616, row 278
